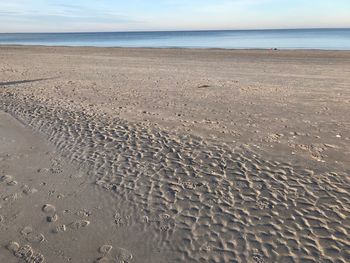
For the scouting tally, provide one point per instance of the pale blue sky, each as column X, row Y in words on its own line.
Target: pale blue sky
column 134, row 15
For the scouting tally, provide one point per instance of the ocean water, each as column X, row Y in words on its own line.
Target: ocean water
column 332, row 39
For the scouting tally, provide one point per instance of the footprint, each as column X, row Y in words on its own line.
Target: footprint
column 105, row 249
column 118, row 220
column 145, row 219
column 12, row 197
column 164, row 227
column 56, row 166
column 12, row 246
column 27, row 190
column 6, row 178
column 43, row 170
column 83, row 213
column 79, row 224
column 32, row 236
column 166, row 223
column 49, row 209
column 36, row 258
column 59, row 229
column 25, row 253
column 123, row 255
column 26, row 230
column 35, row 238
column 52, row 218
column 258, row 258
column 56, row 170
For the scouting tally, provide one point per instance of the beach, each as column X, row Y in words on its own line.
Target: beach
column 174, row 155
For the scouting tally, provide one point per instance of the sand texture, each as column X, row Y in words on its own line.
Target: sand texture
column 148, row 155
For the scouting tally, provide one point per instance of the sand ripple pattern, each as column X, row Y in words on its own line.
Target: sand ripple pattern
column 213, row 203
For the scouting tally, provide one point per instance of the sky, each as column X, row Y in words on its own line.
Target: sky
column 154, row 15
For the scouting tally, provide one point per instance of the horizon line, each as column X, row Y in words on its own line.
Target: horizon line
column 186, row 30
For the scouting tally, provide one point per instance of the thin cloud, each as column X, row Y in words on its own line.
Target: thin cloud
column 65, row 15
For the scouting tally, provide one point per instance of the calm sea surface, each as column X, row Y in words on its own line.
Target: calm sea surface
column 334, row 39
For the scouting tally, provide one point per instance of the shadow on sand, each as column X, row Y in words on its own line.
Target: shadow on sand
column 10, row 83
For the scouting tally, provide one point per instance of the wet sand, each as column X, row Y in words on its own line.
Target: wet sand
column 174, row 155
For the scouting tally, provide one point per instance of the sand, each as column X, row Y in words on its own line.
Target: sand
column 174, row 155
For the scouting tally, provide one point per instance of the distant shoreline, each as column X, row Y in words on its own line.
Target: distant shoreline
column 284, row 39
column 179, row 31
column 177, row 48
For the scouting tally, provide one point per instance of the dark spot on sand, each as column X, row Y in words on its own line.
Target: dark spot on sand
column 203, row 86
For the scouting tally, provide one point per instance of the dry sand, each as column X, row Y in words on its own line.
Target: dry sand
column 174, row 155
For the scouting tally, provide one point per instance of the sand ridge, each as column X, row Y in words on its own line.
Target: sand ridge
column 207, row 202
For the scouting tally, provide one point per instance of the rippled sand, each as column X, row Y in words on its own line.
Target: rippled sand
column 174, row 156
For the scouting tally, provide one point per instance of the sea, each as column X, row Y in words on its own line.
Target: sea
column 324, row 39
